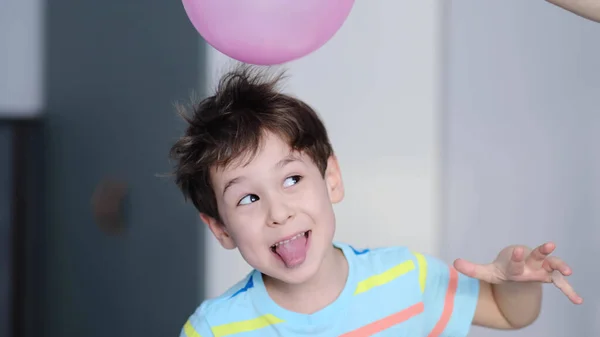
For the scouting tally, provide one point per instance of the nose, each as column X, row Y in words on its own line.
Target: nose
column 279, row 211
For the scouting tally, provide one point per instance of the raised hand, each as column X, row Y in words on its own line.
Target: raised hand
column 520, row 264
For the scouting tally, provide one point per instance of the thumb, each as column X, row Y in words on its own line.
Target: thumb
column 484, row 272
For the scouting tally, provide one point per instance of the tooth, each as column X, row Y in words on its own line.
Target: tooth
column 290, row 239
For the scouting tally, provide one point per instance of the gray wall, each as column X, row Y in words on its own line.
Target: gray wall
column 114, row 69
column 521, row 136
column 5, row 226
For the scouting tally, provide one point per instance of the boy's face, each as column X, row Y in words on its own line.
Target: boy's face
column 277, row 211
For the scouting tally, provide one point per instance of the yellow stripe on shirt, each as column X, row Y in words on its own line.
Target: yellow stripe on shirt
column 189, row 330
column 422, row 263
column 385, row 277
column 245, row 326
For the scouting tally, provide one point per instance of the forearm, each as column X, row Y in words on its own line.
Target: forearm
column 589, row 9
column 518, row 302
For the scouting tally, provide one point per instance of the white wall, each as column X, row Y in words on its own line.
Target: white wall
column 21, row 57
column 376, row 86
column 521, row 136
column 521, row 122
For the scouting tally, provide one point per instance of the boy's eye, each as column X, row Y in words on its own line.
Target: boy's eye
column 290, row 181
column 250, row 198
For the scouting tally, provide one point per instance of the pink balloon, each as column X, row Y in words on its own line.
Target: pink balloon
column 267, row 32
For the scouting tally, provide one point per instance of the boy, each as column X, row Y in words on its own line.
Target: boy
column 259, row 167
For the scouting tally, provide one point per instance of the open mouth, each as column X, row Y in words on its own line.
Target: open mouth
column 295, row 237
column 292, row 251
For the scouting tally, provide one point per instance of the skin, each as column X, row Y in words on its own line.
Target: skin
column 276, row 195
column 280, row 193
column 511, row 286
column 589, row 9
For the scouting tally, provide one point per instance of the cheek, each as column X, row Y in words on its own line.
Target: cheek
column 316, row 201
column 248, row 235
column 246, row 229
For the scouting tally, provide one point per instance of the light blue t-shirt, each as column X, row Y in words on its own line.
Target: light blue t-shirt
column 389, row 292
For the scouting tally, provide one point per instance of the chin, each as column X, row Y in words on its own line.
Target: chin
column 295, row 276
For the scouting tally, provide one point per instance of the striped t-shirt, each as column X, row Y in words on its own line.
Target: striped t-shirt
column 389, row 292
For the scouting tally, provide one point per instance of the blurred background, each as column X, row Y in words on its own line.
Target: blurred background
column 461, row 127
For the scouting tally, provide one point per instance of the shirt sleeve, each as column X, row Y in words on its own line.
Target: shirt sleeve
column 196, row 326
column 449, row 298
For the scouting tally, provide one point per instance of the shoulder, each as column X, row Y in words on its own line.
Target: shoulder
column 234, row 304
column 382, row 258
column 396, row 266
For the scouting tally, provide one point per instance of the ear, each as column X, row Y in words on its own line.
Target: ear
column 333, row 178
column 219, row 231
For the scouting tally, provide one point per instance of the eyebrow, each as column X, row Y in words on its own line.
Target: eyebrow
column 280, row 164
column 290, row 158
column 231, row 183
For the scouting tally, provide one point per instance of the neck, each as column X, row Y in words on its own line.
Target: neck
column 318, row 292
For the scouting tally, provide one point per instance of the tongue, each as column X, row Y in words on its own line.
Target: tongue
column 292, row 252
